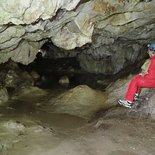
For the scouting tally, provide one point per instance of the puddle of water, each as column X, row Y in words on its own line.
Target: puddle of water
column 61, row 121
column 22, row 110
column 136, row 136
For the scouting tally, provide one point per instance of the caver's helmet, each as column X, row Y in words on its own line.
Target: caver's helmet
column 151, row 47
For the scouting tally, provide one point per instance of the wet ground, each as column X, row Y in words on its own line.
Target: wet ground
column 26, row 129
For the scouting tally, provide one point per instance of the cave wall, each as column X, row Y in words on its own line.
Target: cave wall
column 116, row 30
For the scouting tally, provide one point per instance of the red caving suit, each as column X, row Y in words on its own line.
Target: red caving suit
column 146, row 81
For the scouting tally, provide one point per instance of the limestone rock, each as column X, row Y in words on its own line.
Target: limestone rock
column 26, row 12
column 117, row 90
column 118, row 30
column 13, row 126
column 34, row 75
column 17, row 42
column 11, row 79
column 16, row 79
column 4, row 96
column 151, row 107
column 64, row 81
column 80, row 101
column 28, row 93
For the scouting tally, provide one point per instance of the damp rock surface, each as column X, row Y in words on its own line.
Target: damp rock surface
column 81, row 101
column 102, row 137
column 4, row 96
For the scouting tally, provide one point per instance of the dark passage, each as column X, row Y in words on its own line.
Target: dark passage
column 52, row 63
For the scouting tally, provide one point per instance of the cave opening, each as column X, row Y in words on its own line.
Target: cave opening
column 58, row 68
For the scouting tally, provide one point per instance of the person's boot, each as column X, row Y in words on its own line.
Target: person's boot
column 125, row 103
column 136, row 97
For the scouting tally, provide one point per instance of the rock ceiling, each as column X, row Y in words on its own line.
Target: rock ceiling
column 109, row 25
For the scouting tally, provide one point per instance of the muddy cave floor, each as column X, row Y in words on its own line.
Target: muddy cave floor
column 27, row 130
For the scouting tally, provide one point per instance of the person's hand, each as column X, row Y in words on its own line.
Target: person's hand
column 143, row 74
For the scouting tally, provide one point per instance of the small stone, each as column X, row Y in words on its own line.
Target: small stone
column 64, row 81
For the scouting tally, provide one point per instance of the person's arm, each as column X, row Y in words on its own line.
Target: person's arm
column 151, row 70
column 145, row 67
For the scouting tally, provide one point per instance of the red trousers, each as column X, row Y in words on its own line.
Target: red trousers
column 136, row 84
